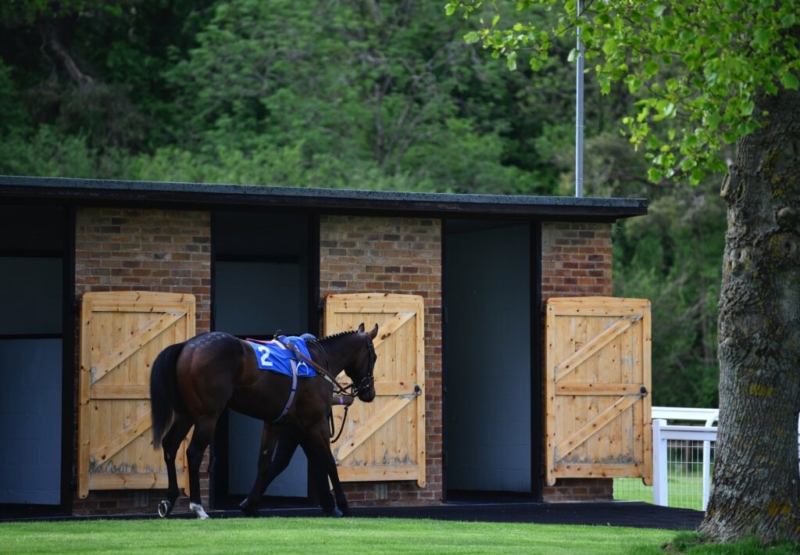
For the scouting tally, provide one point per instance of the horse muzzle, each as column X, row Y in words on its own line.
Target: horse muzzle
column 366, row 390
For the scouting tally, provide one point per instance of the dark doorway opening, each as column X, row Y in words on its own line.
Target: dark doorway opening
column 35, row 386
column 491, row 420
column 262, row 278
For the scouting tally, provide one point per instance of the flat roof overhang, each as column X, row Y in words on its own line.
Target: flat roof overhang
column 340, row 201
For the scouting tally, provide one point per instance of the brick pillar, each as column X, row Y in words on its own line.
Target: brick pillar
column 576, row 262
column 146, row 250
column 393, row 255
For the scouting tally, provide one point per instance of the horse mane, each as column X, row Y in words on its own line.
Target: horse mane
column 334, row 336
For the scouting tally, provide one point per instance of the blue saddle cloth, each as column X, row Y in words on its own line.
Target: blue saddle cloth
column 275, row 356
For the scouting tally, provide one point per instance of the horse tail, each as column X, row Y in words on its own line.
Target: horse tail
column 164, row 391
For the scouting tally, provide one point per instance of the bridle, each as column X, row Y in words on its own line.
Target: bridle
column 367, row 381
column 351, row 390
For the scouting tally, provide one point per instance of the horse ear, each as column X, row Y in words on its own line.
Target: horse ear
column 361, row 327
column 374, row 333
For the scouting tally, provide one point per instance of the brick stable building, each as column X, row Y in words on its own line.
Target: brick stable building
column 481, row 267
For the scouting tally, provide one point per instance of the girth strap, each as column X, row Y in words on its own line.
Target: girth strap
column 291, row 393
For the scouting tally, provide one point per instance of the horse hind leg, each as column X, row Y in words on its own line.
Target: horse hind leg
column 170, row 444
column 203, row 432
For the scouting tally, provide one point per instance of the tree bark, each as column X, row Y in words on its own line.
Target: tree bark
column 51, row 33
column 756, row 478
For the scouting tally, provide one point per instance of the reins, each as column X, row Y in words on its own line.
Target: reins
column 332, row 425
column 339, row 389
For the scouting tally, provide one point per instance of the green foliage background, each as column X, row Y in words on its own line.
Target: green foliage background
column 355, row 94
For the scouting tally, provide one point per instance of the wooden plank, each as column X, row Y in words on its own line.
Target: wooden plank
column 391, row 389
column 601, row 470
column 364, row 308
column 381, row 303
column 588, row 312
column 395, row 389
column 136, row 307
column 390, row 327
column 599, row 388
column 379, row 473
column 141, row 337
column 596, row 306
column 592, row 347
column 350, row 443
column 646, row 403
column 550, row 406
column 121, row 480
column 136, row 301
column 104, row 452
column 593, row 426
column 420, row 427
column 84, row 446
column 84, row 388
column 161, row 298
column 120, row 392
column 419, row 371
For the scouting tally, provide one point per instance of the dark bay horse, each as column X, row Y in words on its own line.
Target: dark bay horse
column 192, row 383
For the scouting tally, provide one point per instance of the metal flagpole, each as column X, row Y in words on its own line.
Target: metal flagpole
column 579, row 112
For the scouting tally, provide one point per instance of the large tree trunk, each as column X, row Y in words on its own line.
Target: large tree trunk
column 756, row 478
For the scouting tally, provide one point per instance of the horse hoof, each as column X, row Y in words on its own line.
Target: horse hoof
column 249, row 509
column 335, row 513
column 198, row 510
column 164, row 508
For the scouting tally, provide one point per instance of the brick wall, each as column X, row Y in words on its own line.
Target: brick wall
column 579, row 489
column 393, row 255
column 576, row 261
column 150, row 250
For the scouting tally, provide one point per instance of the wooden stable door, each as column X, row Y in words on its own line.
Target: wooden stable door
column 385, row 439
column 597, row 389
column 121, row 335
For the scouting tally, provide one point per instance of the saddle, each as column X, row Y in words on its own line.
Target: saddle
column 277, row 355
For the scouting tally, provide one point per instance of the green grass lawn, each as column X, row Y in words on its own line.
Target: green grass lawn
column 685, row 490
column 322, row 536
column 367, row 536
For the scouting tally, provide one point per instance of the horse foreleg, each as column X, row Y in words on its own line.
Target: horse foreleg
column 203, row 432
column 249, row 505
column 277, row 448
column 170, row 444
column 319, row 478
column 333, row 473
column 320, row 446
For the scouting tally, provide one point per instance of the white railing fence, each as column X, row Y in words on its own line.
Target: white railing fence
column 708, row 416
column 683, row 457
column 676, row 458
column 682, row 452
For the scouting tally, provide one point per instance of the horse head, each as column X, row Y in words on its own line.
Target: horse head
column 361, row 368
